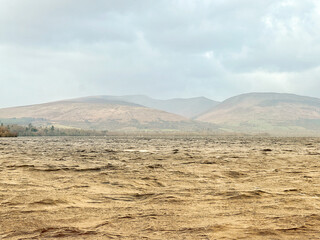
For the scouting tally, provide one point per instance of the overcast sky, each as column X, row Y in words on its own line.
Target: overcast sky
column 57, row 49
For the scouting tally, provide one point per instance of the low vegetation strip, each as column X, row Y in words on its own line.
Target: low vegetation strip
column 5, row 132
column 30, row 130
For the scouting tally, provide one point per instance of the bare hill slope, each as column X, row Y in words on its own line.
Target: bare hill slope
column 267, row 112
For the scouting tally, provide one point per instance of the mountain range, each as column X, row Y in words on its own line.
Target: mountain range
column 274, row 113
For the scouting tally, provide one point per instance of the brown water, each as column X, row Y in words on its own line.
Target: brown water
column 160, row 188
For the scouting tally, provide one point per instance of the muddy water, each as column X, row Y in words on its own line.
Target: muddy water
column 160, row 188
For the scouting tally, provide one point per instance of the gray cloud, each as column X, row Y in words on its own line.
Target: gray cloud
column 57, row 49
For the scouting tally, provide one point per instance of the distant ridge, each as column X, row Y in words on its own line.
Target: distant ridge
column 186, row 107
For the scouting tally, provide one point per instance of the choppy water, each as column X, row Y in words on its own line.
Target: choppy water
column 160, row 188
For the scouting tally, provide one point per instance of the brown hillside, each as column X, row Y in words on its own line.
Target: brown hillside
column 100, row 114
column 267, row 112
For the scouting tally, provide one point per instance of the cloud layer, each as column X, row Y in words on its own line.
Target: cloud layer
column 57, row 49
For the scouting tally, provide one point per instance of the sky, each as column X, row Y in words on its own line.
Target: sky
column 58, row 49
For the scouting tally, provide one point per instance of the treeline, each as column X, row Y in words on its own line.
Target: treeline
column 30, row 130
column 5, row 132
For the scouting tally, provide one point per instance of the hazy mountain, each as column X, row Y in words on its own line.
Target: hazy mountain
column 98, row 113
column 250, row 113
column 267, row 112
column 187, row 107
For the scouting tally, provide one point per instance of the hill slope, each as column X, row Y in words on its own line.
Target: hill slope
column 187, row 107
column 267, row 112
column 97, row 113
